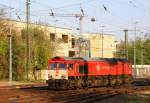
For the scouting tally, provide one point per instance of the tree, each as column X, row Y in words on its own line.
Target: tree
column 40, row 49
column 146, row 47
column 120, row 53
column 19, row 57
column 139, row 44
column 3, row 46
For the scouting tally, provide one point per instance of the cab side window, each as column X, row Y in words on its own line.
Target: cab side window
column 70, row 66
column 83, row 69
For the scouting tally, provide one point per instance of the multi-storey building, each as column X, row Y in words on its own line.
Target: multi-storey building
column 101, row 47
column 62, row 39
column 68, row 44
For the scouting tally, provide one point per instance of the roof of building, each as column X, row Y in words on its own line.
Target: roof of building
column 37, row 24
column 93, row 34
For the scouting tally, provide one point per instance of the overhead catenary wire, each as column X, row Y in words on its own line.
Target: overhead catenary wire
column 134, row 4
column 63, row 7
column 22, row 13
column 140, row 5
column 41, row 15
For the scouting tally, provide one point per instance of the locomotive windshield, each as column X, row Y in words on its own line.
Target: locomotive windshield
column 53, row 66
column 62, row 66
column 59, row 65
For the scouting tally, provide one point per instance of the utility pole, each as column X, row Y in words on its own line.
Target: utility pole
column 10, row 49
column 135, row 46
column 126, row 43
column 10, row 56
column 102, row 39
column 28, row 60
column 55, row 29
column 89, row 47
column 55, row 26
column 80, row 37
column 142, row 49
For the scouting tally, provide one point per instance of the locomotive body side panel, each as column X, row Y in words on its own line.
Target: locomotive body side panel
column 113, row 69
column 98, row 68
column 128, row 69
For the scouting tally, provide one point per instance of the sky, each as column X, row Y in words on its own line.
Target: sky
column 113, row 15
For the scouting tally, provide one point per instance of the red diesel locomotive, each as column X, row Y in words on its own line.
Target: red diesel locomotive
column 67, row 72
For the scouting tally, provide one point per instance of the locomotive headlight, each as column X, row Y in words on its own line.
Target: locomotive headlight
column 63, row 77
column 50, row 77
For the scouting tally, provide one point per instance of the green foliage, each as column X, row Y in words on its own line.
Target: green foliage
column 3, row 49
column 3, row 57
column 140, row 44
column 40, row 51
column 40, row 48
column 120, row 50
column 146, row 47
column 19, row 57
column 3, row 46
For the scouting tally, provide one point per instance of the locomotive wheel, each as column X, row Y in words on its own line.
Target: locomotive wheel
column 118, row 81
column 79, row 84
column 106, row 81
column 71, row 84
column 89, row 83
column 112, row 80
column 86, row 84
column 56, row 86
column 128, row 80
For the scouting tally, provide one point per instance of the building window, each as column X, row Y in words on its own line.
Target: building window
column 65, row 38
column 73, row 42
column 71, row 53
column 52, row 36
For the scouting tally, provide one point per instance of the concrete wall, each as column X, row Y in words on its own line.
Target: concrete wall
column 39, row 75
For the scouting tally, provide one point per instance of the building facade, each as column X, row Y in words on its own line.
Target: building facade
column 68, row 44
column 62, row 39
column 101, row 46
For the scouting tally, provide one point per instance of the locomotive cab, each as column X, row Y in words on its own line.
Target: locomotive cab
column 65, row 72
column 58, row 70
column 57, row 73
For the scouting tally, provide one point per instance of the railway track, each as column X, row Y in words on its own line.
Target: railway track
column 71, row 97
column 44, row 95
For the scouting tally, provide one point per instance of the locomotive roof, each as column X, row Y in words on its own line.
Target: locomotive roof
column 113, row 60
